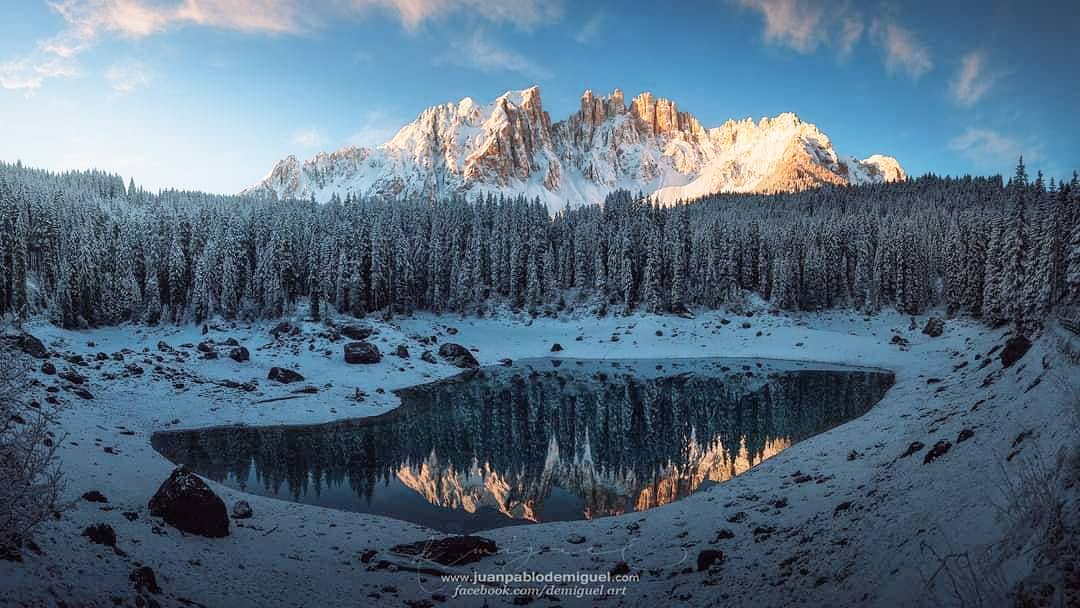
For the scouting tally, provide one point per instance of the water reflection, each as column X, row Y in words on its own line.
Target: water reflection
column 539, row 441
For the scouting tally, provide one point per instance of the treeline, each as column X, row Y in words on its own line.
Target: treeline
column 91, row 251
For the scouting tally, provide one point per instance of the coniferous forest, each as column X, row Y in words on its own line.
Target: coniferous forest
column 91, row 251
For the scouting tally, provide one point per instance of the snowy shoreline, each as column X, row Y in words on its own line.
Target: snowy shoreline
column 291, row 554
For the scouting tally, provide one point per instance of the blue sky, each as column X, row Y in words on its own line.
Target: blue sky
column 208, row 94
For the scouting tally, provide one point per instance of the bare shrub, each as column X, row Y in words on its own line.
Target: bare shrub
column 30, row 480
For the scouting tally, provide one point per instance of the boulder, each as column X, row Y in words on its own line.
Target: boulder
column 241, row 510
column 143, row 579
column 450, row 551
column 427, row 357
column 284, row 376
column 48, row 368
column 708, row 557
column 28, row 344
column 239, row 354
column 356, row 331
column 102, row 534
column 72, row 376
column 934, row 327
column 458, row 356
column 362, row 352
column 283, row 328
column 231, row 342
column 402, row 351
column 206, row 347
column 1015, row 348
column 187, row 503
column 556, row 347
column 94, row 496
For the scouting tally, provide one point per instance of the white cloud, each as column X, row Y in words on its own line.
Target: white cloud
column 903, row 50
column 972, row 81
column 88, row 21
column 806, row 25
column 795, row 23
column 479, row 53
column 128, row 76
column 29, row 74
column 307, row 138
column 990, row 149
column 376, row 128
column 851, row 32
column 590, row 28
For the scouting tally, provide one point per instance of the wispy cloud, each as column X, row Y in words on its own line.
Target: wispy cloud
column 480, row 53
column 807, row 25
column 989, row 149
column 904, row 52
column 307, row 138
column 376, row 128
column 128, row 76
column 88, row 21
column 28, row 74
column 590, row 28
column 972, row 80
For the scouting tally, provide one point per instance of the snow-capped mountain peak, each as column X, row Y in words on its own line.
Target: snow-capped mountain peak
column 511, row 146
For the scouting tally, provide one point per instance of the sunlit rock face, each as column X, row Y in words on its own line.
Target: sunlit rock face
column 511, row 146
column 534, row 442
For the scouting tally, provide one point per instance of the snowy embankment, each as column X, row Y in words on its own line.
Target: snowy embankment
column 840, row 519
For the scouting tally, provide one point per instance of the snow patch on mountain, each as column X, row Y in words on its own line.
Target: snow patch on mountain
column 510, row 146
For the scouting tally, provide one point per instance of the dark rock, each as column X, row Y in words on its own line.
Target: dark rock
column 507, row 362
column 48, row 368
column 362, row 352
column 239, row 354
column 935, row 326
column 556, row 347
column 1015, row 348
column 844, row 506
column 32, row 346
column 241, row 510
column 281, row 328
column 133, row 369
column 101, row 357
column 899, row 340
column 94, row 496
column 210, row 355
column 427, row 357
column 356, row 331
column 102, row 534
column 450, row 551
column 402, row 351
column 306, row 390
column 367, row 555
column 82, row 393
column 187, row 503
column 965, row 435
column 708, row 557
column 284, row 376
column 72, row 376
column 163, row 347
column 458, row 356
column 575, row 539
column 206, row 347
column 914, row 447
column 939, row 449
column 231, row 342
column 620, row 569
column 143, row 579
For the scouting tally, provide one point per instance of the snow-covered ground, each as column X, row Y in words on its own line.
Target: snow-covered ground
column 839, row 519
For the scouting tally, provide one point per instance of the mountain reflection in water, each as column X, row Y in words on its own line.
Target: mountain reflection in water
column 542, row 440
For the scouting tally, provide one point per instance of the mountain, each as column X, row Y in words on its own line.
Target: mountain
column 511, row 146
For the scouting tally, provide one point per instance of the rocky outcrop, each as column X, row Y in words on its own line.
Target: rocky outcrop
column 283, row 375
column 458, row 356
column 512, row 146
column 185, row 502
column 364, row 353
column 450, row 551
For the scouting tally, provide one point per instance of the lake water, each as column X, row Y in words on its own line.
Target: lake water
column 542, row 440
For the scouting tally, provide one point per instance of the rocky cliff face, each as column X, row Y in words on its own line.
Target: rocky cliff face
column 511, row 146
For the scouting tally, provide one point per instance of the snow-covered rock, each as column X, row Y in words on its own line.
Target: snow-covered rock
column 511, row 146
